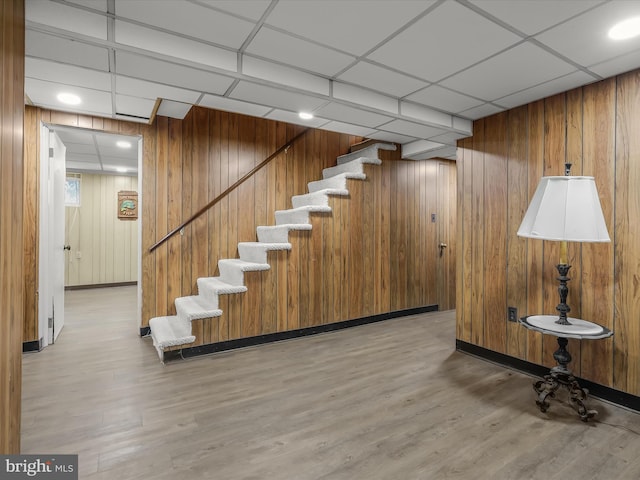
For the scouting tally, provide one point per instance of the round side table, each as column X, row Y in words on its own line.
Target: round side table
column 560, row 374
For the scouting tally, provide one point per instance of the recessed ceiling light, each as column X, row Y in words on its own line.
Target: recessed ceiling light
column 305, row 115
column 69, row 98
column 123, row 144
column 626, row 29
column 121, row 170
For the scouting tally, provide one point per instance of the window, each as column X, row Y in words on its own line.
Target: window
column 72, row 190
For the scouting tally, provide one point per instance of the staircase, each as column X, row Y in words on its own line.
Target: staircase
column 171, row 332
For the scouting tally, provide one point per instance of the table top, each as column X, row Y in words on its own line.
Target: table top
column 580, row 329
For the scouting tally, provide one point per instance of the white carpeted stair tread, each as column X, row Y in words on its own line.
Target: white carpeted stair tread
column 232, row 269
column 256, row 252
column 370, row 151
column 170, row 331
column 300, row 214
column 195, row 307
column 355, row 166
column 320, row 197
column 279, row 233
column 337, row 182
column 213, row 286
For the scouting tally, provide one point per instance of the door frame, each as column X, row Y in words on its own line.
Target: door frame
column 50, row 127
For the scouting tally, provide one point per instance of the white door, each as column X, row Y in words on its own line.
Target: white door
column 52, row 253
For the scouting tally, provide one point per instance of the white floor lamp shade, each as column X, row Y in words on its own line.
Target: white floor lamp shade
column 565, row 208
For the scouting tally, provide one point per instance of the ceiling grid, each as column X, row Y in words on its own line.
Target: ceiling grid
column 412, row 72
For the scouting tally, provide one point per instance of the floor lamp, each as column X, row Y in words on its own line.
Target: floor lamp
column 564, row 209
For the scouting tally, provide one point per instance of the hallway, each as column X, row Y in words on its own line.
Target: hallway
column 391, row 400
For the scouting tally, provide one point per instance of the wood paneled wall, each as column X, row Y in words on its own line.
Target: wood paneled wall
column 377, row 252
column 107, row 245
column 596, row 128
column 11, row 221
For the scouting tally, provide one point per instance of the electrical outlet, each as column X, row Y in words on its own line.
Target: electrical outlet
column 512, row 314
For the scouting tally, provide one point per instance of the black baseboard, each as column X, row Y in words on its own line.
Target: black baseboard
column 605, row 393
column 32, row 346
column 302, row 332
column 100, row 285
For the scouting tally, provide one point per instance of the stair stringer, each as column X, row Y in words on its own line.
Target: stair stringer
column 173, row 332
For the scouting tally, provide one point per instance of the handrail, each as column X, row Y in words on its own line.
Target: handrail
column 228, row 190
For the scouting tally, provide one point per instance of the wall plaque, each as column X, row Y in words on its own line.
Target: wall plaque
column 127, row 205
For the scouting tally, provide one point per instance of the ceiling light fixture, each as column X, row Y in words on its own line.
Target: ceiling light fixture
column 121, row 170
column 123, row 144
column 69, row 98
column 626, row 29
column 305, row 115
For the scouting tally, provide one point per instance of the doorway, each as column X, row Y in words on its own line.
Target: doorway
column 98, row 247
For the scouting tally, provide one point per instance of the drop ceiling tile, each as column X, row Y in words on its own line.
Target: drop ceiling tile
column 73, row 166
column 43, row 93
column 290, row 117
column 481, row 111
column 463, row 125
column 418, row 147
column 412, row 129
column 112, row 165
column 469, row 38
column 175, row 46
column 391, row 137
column 79, row 157
column 518, row 68
column 110, row 140
column 361, row 96
column 111, row 155
column 139, row 66
column 546, row 89
column 352, row 26
column 296, row 52
column 188, row 19
column 57, row 49
column 134, row 106
column 623, row 63
column 67, row 18
column 344, row 113
column 80, row 153
column 450, row 138
column 252, row 9
column 438, row 97
column 67, row 74
column 584, row 38
column 381, row 79
column 130, row 161
column 444, row 152
column 75, row 136
column 173, row 109
column 100, row 5
column 348, row 128
column 141, row 88
column 119, row 153
column 429, row 115
column 280, row 74
column 231, row 105
column 268, row 96
column 533, row 16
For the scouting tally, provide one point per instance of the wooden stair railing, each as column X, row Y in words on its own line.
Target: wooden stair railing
column 228, row 190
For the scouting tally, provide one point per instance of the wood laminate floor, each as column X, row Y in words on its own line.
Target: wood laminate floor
column 390, row 401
